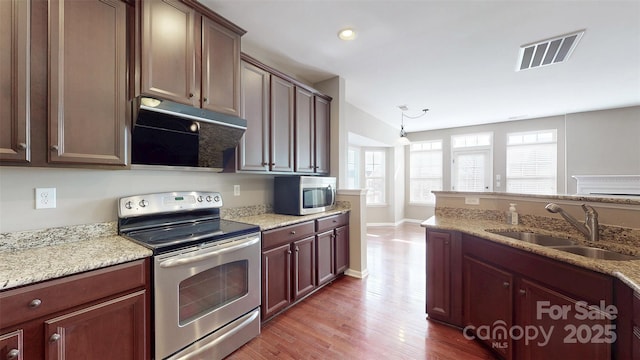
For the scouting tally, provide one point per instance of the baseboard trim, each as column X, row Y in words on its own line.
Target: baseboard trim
column 357, row 274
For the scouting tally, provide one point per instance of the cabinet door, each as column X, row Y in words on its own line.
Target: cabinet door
column 304, row 265
column 444, row 277
column 170, row 37
column 305, row 134
column 253, row 150
column 322, row 138
column 488, row 302
column 341, row 249
column 88, row 81
column 113, row 329
column 12, row 345
column 537, row 306
column 220, row 68
column 325, row 258
column 276, row 280
column 282, row 134
column 14, row 80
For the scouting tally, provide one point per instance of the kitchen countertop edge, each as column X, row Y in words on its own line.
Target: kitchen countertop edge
column 626, row 271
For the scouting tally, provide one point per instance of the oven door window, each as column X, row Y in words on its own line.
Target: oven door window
column 212, row 289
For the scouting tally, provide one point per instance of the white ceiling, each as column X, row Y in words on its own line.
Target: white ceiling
column 457, row 58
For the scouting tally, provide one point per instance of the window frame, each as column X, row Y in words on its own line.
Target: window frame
column 473, row 148
column 382, row 177
column 538, row 142
column 412, row 177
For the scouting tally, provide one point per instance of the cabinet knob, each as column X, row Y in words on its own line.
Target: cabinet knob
column 523, row 292
column 13, row 354
column 190, row 95
column 446, row 242
column 55, row 337
column 55, row 148
column 22, row 146
column 297, row 249
column 292, row 232
column 205, row 100
column 288, row 251
column 505, row 284
column 35, row 303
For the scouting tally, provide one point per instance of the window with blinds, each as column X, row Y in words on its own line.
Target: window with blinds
column 532, row 162
column 472, row 162
column 425, row 171
column 374, row 173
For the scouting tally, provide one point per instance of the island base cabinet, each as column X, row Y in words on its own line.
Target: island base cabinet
column 106, row 331
column 488, row 304
column 560, row 330
column 444, row 277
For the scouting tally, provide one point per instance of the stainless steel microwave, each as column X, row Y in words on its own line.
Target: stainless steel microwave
column 303, row 195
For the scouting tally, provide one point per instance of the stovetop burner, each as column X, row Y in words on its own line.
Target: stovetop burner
column 169, row 221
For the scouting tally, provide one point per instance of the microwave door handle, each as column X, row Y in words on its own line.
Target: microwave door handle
column 188, row 260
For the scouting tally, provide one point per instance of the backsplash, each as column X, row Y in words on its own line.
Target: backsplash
column 612, row 234
column 21, row 240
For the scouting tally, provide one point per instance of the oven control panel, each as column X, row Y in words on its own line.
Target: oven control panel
column 149, row 204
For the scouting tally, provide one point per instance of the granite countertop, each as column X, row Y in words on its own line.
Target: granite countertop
column 268, row 221
column 627, row 271
column 38, row 255
column 33, row 256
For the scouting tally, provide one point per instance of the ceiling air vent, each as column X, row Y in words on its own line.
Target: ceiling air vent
column 548, row 52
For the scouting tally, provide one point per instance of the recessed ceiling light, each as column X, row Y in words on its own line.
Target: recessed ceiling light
column 347, row 34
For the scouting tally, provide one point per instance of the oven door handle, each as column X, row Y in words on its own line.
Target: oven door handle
column 188, row 260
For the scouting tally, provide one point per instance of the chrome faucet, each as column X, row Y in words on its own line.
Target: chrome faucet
column 590, row 227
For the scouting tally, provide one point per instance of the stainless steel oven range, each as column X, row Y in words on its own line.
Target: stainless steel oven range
column 206, row 273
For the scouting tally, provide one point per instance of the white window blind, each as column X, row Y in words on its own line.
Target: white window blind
column 472, row 164
column 532, row 162
column 374, row 172
column 425, row 171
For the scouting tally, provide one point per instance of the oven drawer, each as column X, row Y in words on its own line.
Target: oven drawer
column 30, row 302
column 331, row 222
column 287, row 234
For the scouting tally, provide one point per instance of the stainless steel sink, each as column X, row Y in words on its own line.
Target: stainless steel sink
column 533, row 238
column 595, row 253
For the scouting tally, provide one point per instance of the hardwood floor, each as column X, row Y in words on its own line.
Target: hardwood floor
column 380, row 317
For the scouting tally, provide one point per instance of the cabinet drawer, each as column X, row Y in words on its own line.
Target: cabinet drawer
column 33, row 301
column 331, row 222
column 287, row 234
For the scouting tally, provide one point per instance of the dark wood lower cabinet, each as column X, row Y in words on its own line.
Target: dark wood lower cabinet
column 298, row 259
column 528, row 306
column 304, row 267
column 444, row 277
column 100, row 314
column 488, row 304
column 109, row 330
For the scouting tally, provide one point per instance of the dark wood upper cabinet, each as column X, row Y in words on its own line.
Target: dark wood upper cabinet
column 287, row 123
column 322, row 118
column 15, row 144
column 253, row 150
column 305, row 132
column 170, row 38
column 88, row 69
column 282, row 128
column 220, row 68
column 189, row 57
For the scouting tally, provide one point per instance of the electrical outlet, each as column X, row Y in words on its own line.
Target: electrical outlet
column 236, row 190
column 45, row 198
column 472, row 200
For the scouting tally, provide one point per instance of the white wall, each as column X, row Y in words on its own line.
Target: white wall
column 603, row 143
column 89, row 196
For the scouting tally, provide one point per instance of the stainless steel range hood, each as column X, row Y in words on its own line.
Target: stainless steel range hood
column 169, row 134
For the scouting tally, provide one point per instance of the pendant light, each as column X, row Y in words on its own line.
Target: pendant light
column 404, row 140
